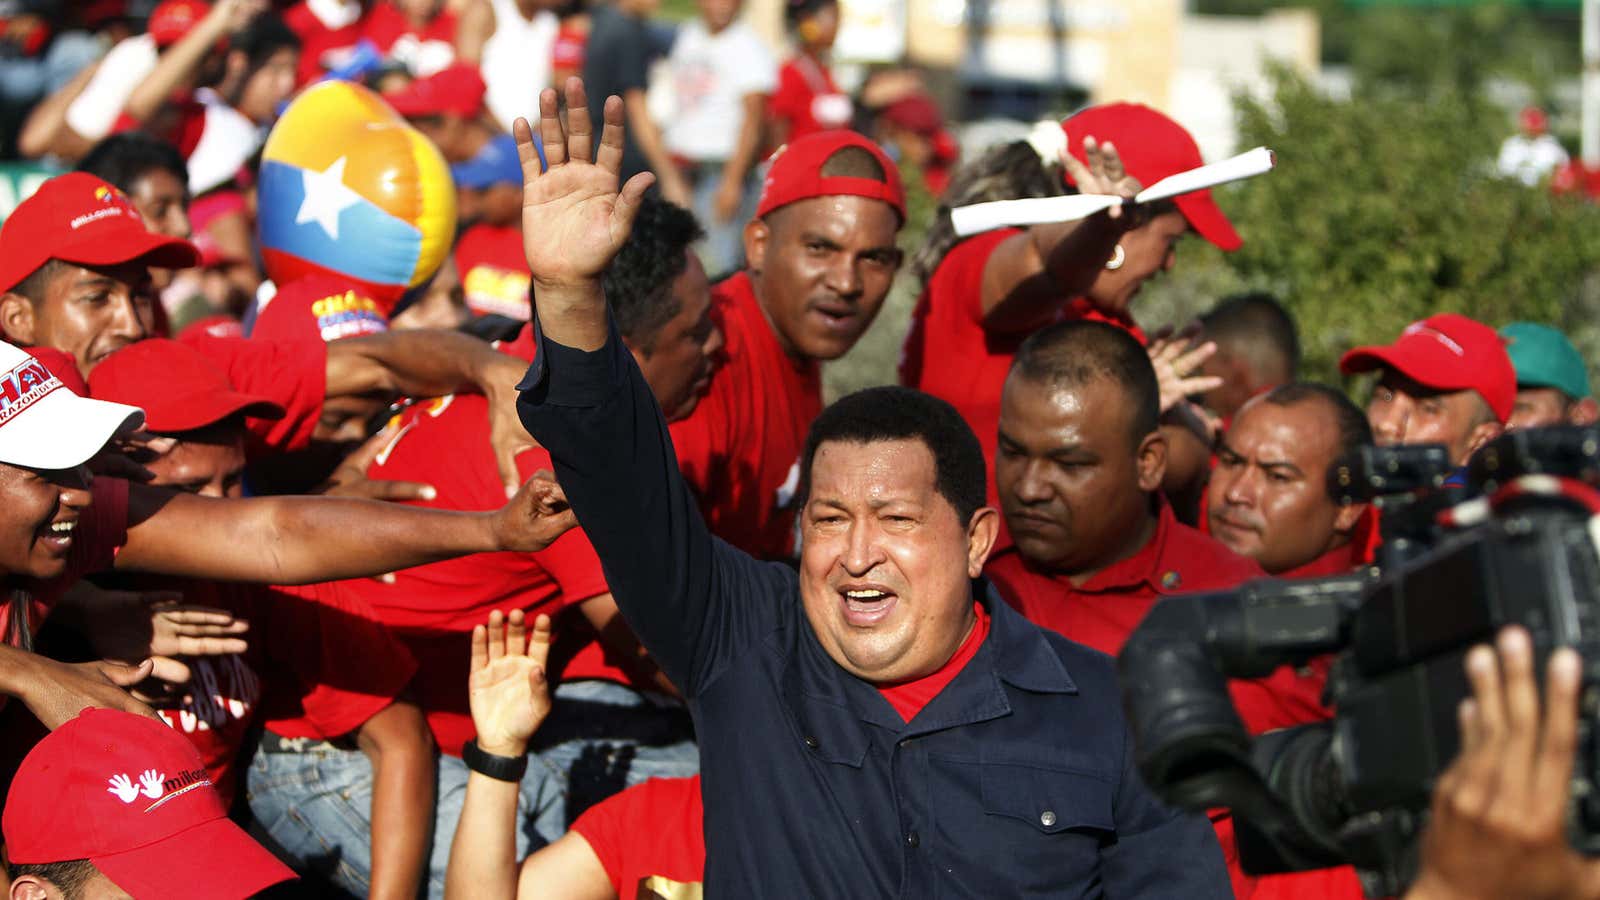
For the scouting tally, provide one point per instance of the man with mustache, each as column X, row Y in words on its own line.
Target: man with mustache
column 821, row 257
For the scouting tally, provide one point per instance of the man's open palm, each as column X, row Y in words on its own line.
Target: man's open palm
column 507, row 690
column 573, row 217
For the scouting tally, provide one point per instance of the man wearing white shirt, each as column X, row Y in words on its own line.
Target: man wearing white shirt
column 721, row 76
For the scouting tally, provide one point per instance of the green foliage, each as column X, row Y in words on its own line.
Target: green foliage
column 1385, row 209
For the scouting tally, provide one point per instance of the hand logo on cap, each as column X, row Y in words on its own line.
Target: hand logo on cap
column 123, row 788
column 151, row 782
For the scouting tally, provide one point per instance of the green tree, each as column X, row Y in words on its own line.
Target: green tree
column 1385, row 209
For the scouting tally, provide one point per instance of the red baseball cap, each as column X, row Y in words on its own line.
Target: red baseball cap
column 176, row 385
column 1446, row 352
column 458, row 89
column 319, row 308
column 1152, row 147
column 172, row 19
column 78, row 218
column 795, row 173
column 131, row 796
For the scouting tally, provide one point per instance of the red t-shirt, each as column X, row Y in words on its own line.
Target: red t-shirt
column 319, row 44
column 424, row 52
column 807, row 98
column 445, row 443
column 740, row 448
column 948, row 353
column 319, row 665
column 910, row 697
column 494, row 270
column 292, row 374
column 650, row 838
column 101, row 532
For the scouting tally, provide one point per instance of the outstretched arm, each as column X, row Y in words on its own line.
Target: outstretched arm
column 301, row 540
column 690, row 599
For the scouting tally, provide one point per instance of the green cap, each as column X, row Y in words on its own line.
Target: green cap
column 1543, row 357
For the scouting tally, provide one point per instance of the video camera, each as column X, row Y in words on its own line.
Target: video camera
column 1514, row 542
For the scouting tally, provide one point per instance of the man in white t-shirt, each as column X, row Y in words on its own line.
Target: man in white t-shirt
column 1533, row 153
column 721, row 76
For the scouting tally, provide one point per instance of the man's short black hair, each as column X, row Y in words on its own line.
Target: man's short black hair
column 33, row 287
column 1256, row 326
column 70, row 876
column 1073, row 354
column 893, row 413
column 638, row 282
column 265, row 35
column 123, row 159
column 1354, row 431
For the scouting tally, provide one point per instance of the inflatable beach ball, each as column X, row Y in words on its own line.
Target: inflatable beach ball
column 349, row 189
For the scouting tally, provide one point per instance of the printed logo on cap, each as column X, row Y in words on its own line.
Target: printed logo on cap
column 347, row 315
column 23, row 386
column 119, row 205
column 1416, row 328
column 154, row 785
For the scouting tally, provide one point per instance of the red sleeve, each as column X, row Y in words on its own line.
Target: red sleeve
column 339, row 665
column 292, row 374
column 571, row 561
column 102, row 529
column 672, row 847
column 789, row 101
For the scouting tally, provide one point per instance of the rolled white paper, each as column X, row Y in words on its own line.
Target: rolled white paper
column 980, row 217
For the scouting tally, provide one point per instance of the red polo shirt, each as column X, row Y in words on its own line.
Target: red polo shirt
column 740, row 448
column 950, row 354
column 1103, row 611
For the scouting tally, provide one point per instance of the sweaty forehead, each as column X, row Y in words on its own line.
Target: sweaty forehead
column 872, row 471
column 857, row 223
column 1301, row 433
column 1094, row 410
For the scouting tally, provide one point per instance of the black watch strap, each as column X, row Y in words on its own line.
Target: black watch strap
column 501, row 768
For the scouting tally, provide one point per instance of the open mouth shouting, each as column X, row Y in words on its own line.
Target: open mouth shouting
column 57, row 536
column 865, row 605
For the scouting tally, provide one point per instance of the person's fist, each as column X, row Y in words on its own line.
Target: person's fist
column 535, row 517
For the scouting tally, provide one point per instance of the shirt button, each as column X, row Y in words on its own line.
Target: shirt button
column 812, row 742
column 1047, row 818
column 912, row 840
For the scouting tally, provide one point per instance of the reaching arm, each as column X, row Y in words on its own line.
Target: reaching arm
column 301, row 540
column 56, row 692
column 474, row 26
column 179, row 64
column 46, row 129
column 432, row 363
column 1031, row 274
column 691, row 600
column 397, row 742
column 568, row 868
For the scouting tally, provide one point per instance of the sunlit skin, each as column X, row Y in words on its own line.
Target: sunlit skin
column 35, row 504
column 682, row 354
column 90, row 312
column 1537, row 407
column 1147, row 251
column 875, row 524
column 1075, row 484
column 208, row 462
column 822, row 268
column 163, row 201
column 1268, row 498
column 1402, row 411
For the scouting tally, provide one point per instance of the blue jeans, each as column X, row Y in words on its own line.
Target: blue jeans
column 722, row 249
column 600, row 738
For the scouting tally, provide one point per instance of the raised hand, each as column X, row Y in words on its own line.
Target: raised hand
column 1175, row 362
column 507, row 691
column 535, row 517
column 574, row 219
column 150, row 782
column 1104, row 174
column 56, row 692
column 123, row 787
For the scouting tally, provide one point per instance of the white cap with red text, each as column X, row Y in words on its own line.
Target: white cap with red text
column 44, row 425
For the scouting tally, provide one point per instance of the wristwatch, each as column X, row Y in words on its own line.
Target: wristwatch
column 500, row 768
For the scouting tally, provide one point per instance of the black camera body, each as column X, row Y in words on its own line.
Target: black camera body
column 1513, row 543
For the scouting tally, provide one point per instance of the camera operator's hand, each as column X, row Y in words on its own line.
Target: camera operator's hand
column 1498, row 827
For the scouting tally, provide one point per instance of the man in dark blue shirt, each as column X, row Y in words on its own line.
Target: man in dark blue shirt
column 870, row 726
